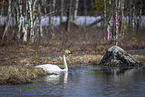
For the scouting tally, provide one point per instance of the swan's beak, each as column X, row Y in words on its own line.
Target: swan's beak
column 69, row 52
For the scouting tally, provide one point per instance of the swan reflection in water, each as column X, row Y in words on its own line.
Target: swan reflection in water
column 60, row 78
column 59, row 75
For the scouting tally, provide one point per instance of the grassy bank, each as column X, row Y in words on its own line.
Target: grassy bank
column 80, row 59
column 25, row 73
column 19, row 74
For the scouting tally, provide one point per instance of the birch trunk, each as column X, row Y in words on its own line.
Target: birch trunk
column 117, row 23
column 109, row 22
column 25, row 24
column 39, row 18
column 20, row 18
column 105, row 13
column 76, row 9
column 123, row 26
column 45, row 16
column 50, row 9
column 61, row 14
column 54, row 2
column 133, row 20
column 2, row 13
column 85, row 11
column 31, row 22
column 119, row 17
column 130, row 14
column 140, row 14
column 25, row 29
column 8, row 20
column 68, row 16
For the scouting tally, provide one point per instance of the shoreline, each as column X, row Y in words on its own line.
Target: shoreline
column 17, row 62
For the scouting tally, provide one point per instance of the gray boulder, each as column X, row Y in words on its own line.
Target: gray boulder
column 116, row 56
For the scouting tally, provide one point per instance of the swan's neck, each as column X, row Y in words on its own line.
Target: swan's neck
column 65, row 64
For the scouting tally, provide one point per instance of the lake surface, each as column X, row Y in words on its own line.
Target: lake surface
column 84, row 81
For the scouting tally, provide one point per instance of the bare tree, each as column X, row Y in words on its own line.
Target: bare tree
column 117, row 22
column 139, row 18
column 105, row 14
column 25, row 24
column 68, row 16
column 19, row 17
column 61, row 10
column 109, row 21
column 31, row 21
column 134, row 16
column 123, row 21
column 8, row 19
column 76, row 9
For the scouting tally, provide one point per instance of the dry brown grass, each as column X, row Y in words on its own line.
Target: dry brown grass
column 141, row 58
column 22, row 74
column 85, row 41
column 19, row 74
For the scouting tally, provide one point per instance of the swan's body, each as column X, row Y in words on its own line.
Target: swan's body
column 54, row 68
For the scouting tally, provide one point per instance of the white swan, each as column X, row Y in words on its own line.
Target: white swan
column 54, row 68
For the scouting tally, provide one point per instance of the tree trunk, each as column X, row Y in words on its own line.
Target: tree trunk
column 20, row 18
column 123, row 21
column 76, row 9
column 50, row 10
column 134, row 16
column 31, row 22
column 105, row 13
column 61, row 14
column 139, row 16
column 2, row 12
column 130, row 14
column 54, row 2
column 117, row 23
column 8, row 20
column 109, row 22
column 68, row 16
column 25, row 24
column 39, row 18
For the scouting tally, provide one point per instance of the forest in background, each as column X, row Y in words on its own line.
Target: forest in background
column 121, row 23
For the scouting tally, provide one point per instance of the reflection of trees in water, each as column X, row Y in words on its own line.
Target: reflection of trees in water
column 120, row 73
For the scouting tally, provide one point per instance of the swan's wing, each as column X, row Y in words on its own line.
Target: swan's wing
column 50, row 68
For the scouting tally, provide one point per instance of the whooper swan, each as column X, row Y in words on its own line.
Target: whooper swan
column 54, row 68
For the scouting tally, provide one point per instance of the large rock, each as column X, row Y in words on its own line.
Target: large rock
column 116, row 56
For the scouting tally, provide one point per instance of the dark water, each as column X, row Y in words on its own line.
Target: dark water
column 86, row 81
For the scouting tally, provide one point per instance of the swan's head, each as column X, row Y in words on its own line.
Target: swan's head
column 67, row 52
